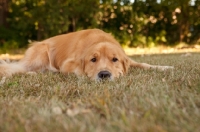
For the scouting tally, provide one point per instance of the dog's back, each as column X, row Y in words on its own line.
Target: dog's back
column 51, row 53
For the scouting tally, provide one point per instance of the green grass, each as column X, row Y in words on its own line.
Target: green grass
column 142, row 101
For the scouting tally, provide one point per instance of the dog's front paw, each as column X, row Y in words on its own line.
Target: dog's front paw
column 3, row 62
column 2, row 81
column 31, row 73
column 164, row 68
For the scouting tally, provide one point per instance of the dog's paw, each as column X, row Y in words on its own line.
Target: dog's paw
column 31, row 73
column 2, row 81
column 3, row 62
column 164, row 68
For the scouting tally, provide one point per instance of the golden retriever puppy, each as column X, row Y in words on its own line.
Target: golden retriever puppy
column 91, row 52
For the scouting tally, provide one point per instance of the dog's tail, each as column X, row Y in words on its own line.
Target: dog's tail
column 8, row 69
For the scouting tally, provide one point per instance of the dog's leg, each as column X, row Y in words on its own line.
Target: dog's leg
column 148, row 66
column 71, row 66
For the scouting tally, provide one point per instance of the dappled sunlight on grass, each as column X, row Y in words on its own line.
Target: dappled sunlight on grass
column 11, row 56
column 162, row 50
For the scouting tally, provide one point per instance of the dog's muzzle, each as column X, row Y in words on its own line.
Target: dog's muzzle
column 104, row 74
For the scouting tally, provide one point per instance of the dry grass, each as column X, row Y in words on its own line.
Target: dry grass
column 141, row 101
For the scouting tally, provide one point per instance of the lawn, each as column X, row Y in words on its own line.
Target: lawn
column 141, row 101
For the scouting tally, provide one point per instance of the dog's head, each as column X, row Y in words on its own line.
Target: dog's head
column 104, row 61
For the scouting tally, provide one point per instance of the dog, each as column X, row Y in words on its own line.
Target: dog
column 92, row 53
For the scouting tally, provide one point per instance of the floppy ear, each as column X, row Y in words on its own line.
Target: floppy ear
column 82, row 65
column 139, row 65
column 131, row 63
column 126, row 64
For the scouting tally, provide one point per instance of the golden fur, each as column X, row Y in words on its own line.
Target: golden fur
column 91, row 52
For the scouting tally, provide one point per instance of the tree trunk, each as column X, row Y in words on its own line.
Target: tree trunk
column 3, row 12
column 72, row 25
column 184, row 21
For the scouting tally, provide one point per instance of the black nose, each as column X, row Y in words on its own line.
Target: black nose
column 104, row 74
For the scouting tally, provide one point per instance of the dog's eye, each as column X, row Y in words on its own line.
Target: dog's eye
column 114, row 59
column 93, row 59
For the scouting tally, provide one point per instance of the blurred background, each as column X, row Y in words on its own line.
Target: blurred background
column 134, row 23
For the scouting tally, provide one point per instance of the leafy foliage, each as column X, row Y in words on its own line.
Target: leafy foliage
column 138, row 23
